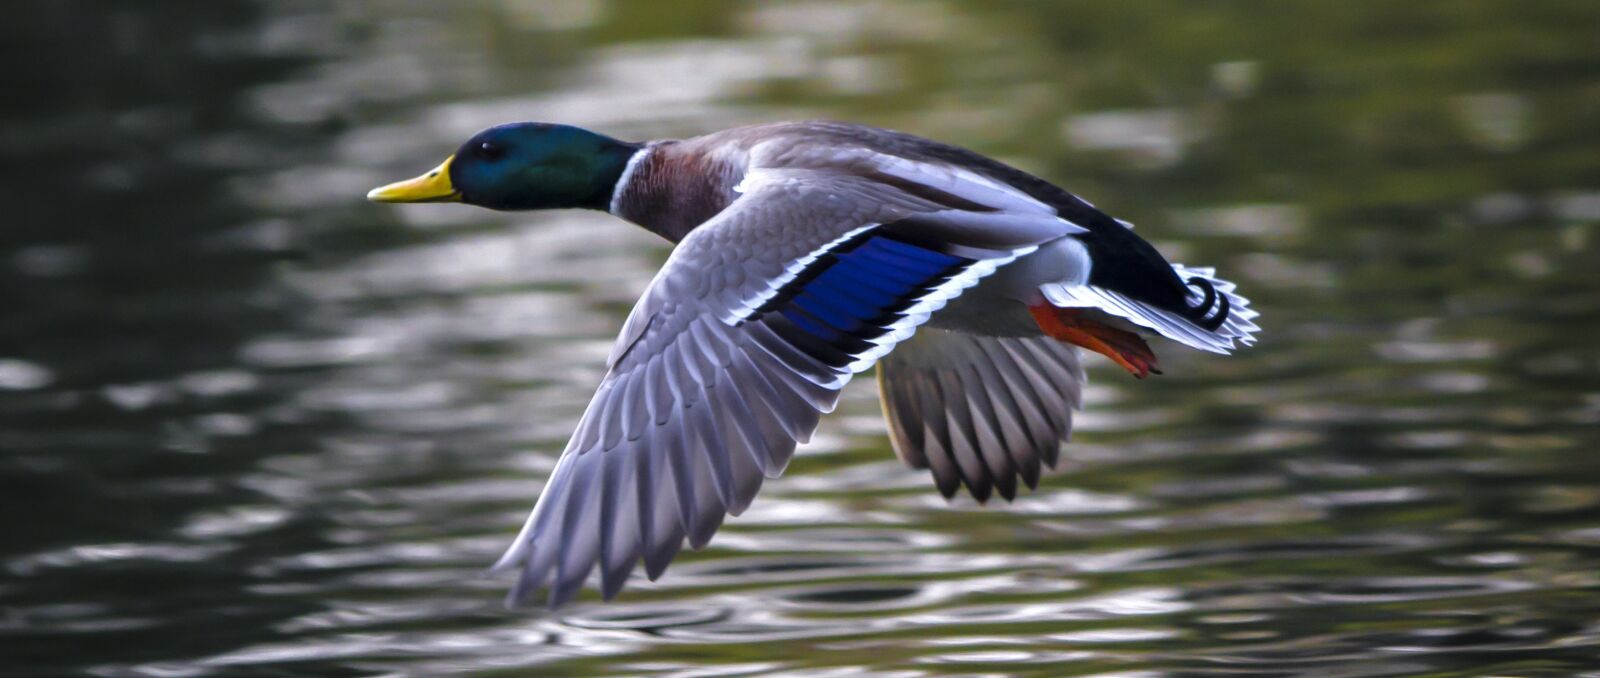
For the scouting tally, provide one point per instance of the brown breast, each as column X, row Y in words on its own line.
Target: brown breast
column 678, row 185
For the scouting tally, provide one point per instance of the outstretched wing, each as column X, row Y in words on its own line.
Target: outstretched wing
column 980, row 411
column 746, row 335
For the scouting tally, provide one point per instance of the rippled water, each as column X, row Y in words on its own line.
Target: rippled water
column 252, row 425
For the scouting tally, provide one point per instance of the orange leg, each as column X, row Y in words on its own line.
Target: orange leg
column 1121, row 346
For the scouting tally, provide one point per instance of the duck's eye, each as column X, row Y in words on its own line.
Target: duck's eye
column 490, row 150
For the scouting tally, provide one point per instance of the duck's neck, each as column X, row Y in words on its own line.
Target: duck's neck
column 670, row 187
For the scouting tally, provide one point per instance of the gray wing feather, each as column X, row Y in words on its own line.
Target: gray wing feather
column 937, row 448
column 661, row 530
column 986, row 431
column 980, row 411
column 619, row 539
column 1034, row 413
column 1001, row 408
column 978, row 475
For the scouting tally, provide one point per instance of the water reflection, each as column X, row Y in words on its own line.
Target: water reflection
column 255, row 425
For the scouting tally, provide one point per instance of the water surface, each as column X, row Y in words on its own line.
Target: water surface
column 252, row 425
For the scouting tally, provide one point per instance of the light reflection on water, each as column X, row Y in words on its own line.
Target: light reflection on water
column 254, row 425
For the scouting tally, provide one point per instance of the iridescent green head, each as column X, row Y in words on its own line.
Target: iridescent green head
column 522, row 166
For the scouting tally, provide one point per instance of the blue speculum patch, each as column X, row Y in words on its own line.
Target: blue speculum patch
column 856, row 290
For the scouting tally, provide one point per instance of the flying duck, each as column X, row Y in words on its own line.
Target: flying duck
column 807, row 252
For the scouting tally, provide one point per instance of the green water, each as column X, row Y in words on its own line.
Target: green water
column 252, row 425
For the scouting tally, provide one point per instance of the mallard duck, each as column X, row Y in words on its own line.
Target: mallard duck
column 807, row 252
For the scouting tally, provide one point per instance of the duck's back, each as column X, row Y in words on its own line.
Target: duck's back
column 1124, row 262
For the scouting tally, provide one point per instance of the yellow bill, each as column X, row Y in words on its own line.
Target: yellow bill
column 434, row 186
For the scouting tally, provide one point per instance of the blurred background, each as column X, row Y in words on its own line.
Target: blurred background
column 253, row 425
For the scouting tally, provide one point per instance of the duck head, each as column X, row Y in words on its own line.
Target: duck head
column 522, row 166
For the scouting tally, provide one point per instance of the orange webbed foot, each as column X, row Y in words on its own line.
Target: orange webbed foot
column 1073, row 326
